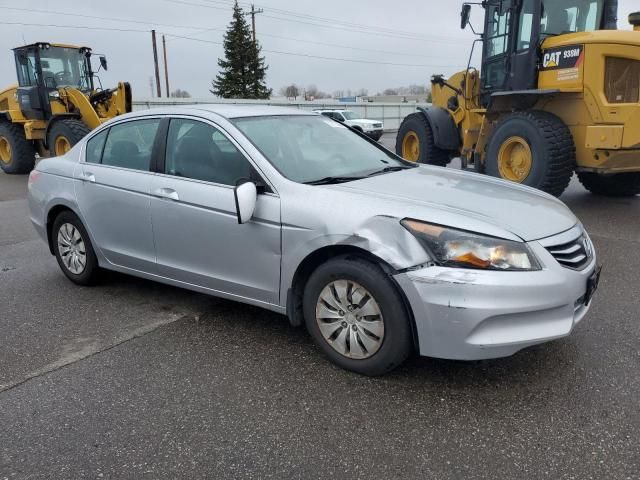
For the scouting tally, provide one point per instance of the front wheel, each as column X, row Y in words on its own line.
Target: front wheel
column 73, row 250
column 416, row 143
column 64, row 134
column 355, row 314
column 618, row 185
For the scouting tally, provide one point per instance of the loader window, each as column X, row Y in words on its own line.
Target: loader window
column 569, row 16
column 64, row 67
column 496, row 46
column 26, row 69
column 526, row 26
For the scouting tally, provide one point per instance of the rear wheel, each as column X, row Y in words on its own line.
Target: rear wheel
column 17, row 154
column 415, row 142
column 73, row 250
column 618, row 185
column 532, row 148
column 64, row 134
column 357, row 317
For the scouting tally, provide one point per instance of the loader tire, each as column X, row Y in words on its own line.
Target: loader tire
column 415, row 142
column 17, row 154
column 618, row 185
column 64, row 134
column 532, row 148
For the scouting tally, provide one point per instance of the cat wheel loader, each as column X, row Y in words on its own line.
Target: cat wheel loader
column 558, row 92
column 54, row 104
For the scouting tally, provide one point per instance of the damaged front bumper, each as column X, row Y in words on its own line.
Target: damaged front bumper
column 474, row 315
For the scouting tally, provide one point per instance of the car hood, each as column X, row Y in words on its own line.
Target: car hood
column 468, row 201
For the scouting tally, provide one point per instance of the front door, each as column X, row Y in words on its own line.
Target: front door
column 113, row 193
column 197, row 236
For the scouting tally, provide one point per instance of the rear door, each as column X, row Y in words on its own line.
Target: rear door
column 197, row 236
column 113, row 192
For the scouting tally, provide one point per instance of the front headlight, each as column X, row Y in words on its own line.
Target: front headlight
column 457, row 248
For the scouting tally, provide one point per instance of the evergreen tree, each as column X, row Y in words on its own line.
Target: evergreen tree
column 243, row 70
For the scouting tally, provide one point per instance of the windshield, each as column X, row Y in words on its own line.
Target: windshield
column 569, row 16
column 310, row 148
column 64, row 67
column 351, row 115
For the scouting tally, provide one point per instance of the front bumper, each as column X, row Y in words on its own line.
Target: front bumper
column 375, row 134
column 474, row 315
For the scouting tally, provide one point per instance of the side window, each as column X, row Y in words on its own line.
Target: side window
column 95, row 147
column 26, row 69
column 129, row 145
column 199, row 151
column 526, row 25
column 498, row 30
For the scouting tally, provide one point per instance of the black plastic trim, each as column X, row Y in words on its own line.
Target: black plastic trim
column 445, row 131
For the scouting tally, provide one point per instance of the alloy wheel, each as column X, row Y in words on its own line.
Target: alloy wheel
column 350, row 319
column 72, row 248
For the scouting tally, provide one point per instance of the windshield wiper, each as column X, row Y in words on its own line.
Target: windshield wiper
column 389, row 170
column 333, row 180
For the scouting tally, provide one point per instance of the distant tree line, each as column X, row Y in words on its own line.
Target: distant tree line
column 296, row 92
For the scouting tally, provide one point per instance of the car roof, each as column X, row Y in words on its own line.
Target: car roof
column 228, row 111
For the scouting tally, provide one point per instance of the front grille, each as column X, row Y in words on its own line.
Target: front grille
column 574, row 255
column 377, row 125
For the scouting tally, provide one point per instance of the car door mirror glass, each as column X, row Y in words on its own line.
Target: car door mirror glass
column 246, row 196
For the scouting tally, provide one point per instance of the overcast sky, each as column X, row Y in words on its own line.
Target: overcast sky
column 409, row 39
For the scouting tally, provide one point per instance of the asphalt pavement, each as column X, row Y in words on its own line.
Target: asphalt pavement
column 133, row 379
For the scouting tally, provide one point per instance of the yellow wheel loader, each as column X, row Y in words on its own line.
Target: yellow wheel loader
column 54, row 104
column 558, row 92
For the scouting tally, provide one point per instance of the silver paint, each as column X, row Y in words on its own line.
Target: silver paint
column 194, row 240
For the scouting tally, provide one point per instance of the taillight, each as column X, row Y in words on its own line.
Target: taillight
column 33, row 177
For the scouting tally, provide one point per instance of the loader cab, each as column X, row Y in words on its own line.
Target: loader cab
column 514, row 31
column 43, row 68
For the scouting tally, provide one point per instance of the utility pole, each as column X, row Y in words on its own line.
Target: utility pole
column 166, row 67
column 155, row 62
column 253, row 14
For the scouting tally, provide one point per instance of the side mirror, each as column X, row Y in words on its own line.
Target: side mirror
column 103, row 62
column 246, row 196
column 465, row 15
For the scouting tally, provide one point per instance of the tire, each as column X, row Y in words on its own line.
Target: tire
column 551, row 148
column 89, row 273
column 17, row 154
column 417, row 124
column 372, row 356
column 618, row 185
column 64, row 134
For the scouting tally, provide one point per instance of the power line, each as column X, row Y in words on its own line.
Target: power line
column 203, row 30
column 80, row 15
column 84, row 27
column 331, row 20
column 351, row 60
column 325, row 44
column 401, row 35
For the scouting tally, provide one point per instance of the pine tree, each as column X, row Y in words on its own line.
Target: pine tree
column 243, row 70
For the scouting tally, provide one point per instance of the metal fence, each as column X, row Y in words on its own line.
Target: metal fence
column 391, row 114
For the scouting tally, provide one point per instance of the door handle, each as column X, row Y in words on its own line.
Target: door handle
column 88, row 177
column 168, row 193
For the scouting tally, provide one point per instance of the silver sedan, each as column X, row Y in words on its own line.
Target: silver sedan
column 296, row 213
